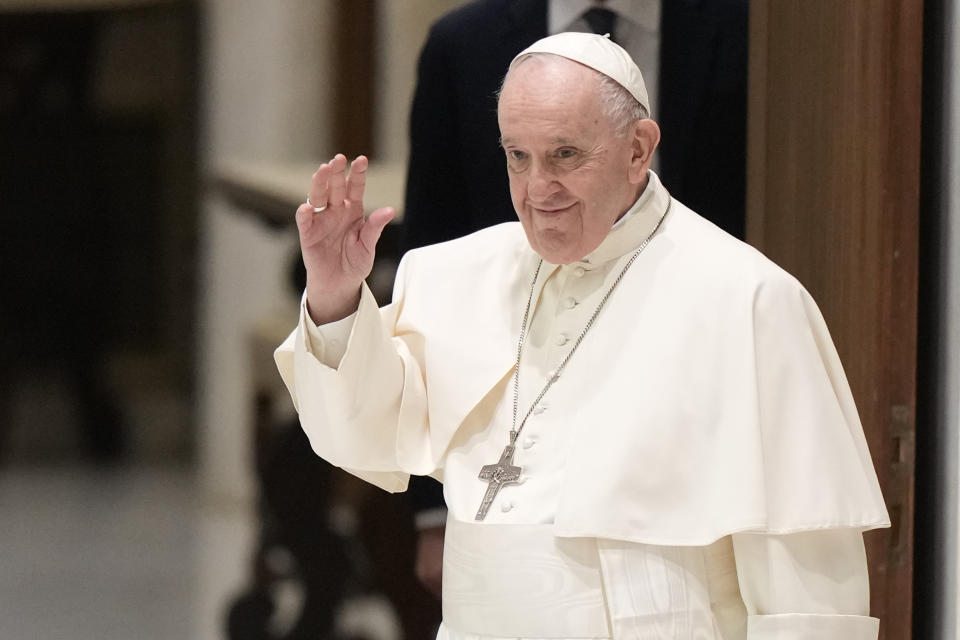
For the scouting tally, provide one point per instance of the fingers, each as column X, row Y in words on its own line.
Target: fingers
column 319, row 186
column 332, row 189
column 331, row 185
column 305, row 216
column 357, row 180
column 373, row 227
column 311, row 226
column 337, row 181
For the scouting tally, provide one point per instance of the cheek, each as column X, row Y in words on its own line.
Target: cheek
column 518, row 188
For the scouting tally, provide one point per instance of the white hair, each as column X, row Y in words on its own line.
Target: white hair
column 619, row 105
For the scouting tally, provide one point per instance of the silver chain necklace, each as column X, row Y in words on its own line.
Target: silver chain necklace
column 503, row 471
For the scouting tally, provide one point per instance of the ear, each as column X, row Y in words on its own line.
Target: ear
column 645, row 138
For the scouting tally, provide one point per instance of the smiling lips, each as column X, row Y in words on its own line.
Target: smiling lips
column 552, row 211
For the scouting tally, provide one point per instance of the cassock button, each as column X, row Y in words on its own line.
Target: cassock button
column 552, row 374
column 562, row 339
column 529, row 442
column 569, row 302
column 539, row 409
column 506, row 507
column 579, row 271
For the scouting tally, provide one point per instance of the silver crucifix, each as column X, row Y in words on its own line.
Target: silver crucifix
column 499, row 474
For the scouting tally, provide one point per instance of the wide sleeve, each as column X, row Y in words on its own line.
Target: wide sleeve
column 367, row 414
column 805, row 586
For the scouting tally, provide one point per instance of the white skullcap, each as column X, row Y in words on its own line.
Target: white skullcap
column 599, row 53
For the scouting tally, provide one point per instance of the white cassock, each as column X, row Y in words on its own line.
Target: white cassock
column 698, row 470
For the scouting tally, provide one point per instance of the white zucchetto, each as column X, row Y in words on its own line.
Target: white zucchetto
column 599, row 53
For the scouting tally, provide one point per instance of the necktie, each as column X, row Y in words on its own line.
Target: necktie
column 601, row 21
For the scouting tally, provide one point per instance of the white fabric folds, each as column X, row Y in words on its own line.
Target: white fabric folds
column 798, row 626
column 708, row 398
column 520, row 581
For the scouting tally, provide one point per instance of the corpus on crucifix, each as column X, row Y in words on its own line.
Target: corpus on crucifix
column 499, row 474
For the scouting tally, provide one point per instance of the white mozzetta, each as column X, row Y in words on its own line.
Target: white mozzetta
column 708, row 399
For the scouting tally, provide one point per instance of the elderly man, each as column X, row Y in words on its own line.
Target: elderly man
column 641, row 424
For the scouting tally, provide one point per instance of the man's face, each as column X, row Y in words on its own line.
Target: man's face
column 571, row 176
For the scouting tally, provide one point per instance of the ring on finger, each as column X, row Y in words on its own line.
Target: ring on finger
column 316, row 209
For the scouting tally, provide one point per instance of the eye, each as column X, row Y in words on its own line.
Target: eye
column 565, row 153
column 517, row 160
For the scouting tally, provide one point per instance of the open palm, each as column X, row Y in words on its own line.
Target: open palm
column 338, row 243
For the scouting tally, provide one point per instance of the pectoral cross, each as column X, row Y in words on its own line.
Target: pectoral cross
column 499, row 474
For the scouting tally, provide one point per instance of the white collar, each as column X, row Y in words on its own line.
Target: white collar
column 629, row 231
column 645, row 196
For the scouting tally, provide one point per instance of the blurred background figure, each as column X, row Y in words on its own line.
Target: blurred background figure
column 153, row 480
column 98, row 179
column 149, row 487
column 98, row 164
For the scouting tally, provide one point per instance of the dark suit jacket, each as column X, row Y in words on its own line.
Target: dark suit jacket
column 457, row 177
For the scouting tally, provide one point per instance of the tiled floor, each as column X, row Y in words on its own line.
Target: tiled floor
column 90, row 554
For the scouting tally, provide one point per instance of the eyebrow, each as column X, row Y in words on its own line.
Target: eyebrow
column 557, row 140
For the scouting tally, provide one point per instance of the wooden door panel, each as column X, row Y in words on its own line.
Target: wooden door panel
column 833, row 197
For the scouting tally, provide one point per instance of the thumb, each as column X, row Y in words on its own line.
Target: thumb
column 373, row 226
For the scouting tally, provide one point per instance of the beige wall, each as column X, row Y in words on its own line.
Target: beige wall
column 263, row 80
column 266, row 66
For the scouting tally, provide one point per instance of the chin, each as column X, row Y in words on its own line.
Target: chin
column 555, row 254
column 554, row 246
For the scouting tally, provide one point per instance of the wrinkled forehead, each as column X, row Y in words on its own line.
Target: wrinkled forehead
column 549, row 100
column 544, row 76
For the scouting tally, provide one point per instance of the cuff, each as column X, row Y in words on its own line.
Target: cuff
column 805, row 626
column 327, row 342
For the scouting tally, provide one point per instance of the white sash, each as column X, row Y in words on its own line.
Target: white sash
column 520, row 581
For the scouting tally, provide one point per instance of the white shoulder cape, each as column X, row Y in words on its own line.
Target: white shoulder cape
column 708, row 398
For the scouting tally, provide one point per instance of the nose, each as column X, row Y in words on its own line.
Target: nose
column 541, row 183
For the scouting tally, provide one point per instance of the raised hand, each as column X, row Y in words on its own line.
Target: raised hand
column 337, row 243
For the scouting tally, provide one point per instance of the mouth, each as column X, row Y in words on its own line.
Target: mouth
column 551, row 212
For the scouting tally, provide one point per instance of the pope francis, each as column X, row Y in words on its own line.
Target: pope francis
column 641, row 424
